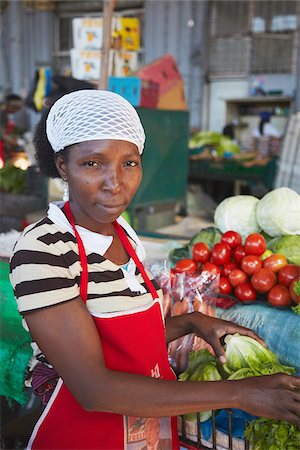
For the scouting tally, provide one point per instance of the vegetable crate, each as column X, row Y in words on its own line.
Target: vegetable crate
column 191, row 435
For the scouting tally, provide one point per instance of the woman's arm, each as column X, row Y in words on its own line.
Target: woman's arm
column 68, row 337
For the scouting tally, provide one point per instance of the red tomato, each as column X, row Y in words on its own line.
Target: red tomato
column 201, row 252
column 228, row 267
column 221, row 254
column 279, row 296
column 295, row 290
column 239, row 253
column 232, row 238
column 224, row 286
column 255, row 244
column 186, row 265
column 275, row 262
column 251, row 264
column 237, row 277
column 245, row 292
column 287, row 273
column 263, row 280
column 211, row 269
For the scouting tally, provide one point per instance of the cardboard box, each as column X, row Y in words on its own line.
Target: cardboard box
column 87, row 33
column 138, row 92
column 163, row 71
column 125, row 63
column 173, row 99
column 128, row 29
column 85, row 64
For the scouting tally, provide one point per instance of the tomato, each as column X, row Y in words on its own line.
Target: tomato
column 245, row 292
column 221, row 254
column 266, row 254
column 232, row 238
column 228, row 267
column 187, row 266
column 201, row 252
column 287, row 273
column 275, row 262
column 279, row 296
column 239, row 253
column 211, row 269
column 224, row 286
column 263, row 280
column 251, row 264
column 236, row 277
column 255, row 244
column 295, row 290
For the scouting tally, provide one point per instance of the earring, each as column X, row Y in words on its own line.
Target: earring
column 66, row 192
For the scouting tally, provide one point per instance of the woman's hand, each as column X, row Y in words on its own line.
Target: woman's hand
column 212, row 331
column 271, row 396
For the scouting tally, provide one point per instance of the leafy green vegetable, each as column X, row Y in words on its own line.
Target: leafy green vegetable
column 268, row 434
column 214, row 140
column 296, row 309
column 177, row 254
column 209, row 235
column 12, row 179
column 278, row 212
column 245, row 352
column 289, row 246
column 237, row 213
column 202, row 366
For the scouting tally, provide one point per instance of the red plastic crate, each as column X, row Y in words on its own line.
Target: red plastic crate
column 163, row 71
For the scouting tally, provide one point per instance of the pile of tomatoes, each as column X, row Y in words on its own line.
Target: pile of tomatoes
column 246, row 270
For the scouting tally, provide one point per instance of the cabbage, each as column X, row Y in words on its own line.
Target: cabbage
column 245, row 352
column 288, row 246
column 237, row 213
column 278, row 212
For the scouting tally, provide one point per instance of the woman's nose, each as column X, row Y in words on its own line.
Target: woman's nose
column 112, row 181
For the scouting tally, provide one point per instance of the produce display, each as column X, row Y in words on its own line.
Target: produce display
column 246, row 357
column 254, row 249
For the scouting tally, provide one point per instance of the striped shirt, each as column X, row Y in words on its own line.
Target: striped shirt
column 45, row 268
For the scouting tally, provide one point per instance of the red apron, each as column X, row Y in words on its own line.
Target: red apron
column 133, row 342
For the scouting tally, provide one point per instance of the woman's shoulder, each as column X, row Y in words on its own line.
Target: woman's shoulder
column 41, row 235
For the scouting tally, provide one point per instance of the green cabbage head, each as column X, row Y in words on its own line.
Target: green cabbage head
column 278, row 212
column 237, row 213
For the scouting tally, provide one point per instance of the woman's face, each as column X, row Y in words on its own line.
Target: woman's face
column 103, row 176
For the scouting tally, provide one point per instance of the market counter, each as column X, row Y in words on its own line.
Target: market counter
column 234, row 170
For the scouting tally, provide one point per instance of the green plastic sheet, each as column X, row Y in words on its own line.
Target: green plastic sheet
column 15, row 349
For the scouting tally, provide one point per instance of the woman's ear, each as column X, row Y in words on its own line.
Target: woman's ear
column 61, row 166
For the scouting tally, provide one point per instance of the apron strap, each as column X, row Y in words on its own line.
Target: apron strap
column 82, row 254
column 131, row 252
column 83, row 259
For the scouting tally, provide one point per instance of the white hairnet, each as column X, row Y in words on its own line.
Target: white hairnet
column 92, row 114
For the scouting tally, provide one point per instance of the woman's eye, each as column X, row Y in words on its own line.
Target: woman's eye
column 131, row 163
column 91, row 164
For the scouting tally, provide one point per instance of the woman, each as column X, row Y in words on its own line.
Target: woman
column 265, row 128
column 93, row 310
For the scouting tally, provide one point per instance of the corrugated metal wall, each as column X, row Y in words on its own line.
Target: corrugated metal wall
column 179, row 28
column 26, row 45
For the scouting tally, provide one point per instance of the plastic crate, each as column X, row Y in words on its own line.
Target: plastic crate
column 138, row 92
column 163, row 71
column 192, row 437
